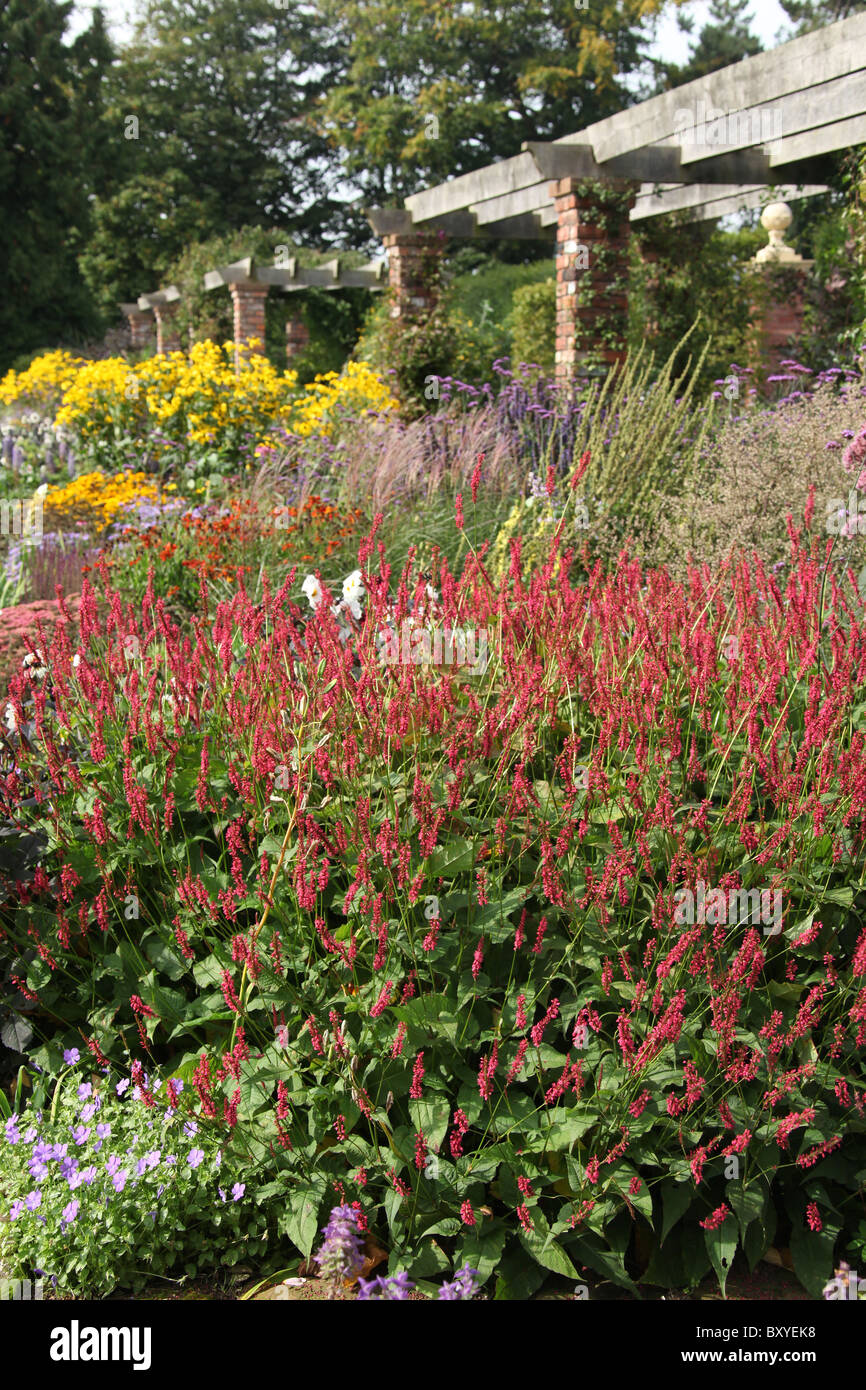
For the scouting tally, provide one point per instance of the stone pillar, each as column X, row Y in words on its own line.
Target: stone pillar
column 167, row 335
column 413, row 272
column 591, row 272
column 248, row 298
column 297, row 338
column 140, row 325
column 777, row 321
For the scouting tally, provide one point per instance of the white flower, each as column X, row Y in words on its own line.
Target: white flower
column 41, row 490
column 34, row 665
column 76, row 661
column 9, row 718
column 353, row 592
column 313, row 590
column 432, row 594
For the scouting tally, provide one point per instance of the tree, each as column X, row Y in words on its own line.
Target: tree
column 435, row 88
column 726, row 38
column 814, row 14
column 50, row 155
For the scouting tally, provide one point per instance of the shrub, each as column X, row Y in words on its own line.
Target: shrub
column 455, row 914
column 533, row 324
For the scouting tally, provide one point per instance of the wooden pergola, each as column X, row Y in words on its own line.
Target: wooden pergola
column 710, row 147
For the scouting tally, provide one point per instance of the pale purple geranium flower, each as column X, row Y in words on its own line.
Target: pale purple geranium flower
column 71, row 1056
column 194, row 1157
column 190, row 1128
column 33, row 1200
column 70, row 1211
column 103, row 1131
column 122, row 1086
column 88, row 1112
column 16, row 1210
column 31, row 1134
column 84, row 1090
column 238, row 1191
column 119, row 1180
column 80, row 1134
column 112, row 1164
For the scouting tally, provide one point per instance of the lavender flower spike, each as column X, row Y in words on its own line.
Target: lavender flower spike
column 464, row 1285
column 340, row 1255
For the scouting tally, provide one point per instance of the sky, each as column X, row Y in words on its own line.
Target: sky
column 768, row 19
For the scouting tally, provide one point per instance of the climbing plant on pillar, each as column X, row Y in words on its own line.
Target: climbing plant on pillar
column 415, row 340
column 601, row 293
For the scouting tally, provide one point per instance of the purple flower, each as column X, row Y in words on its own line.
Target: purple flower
column 59, row 1152
column 44, row 1152
column 71, row 1056
column 80, row 1134
column 88, row 1112
column 15, row 1210
column 88, row 1174
column 141, row 1167
column 12, row 1135
column 119, row 1180
column 70, row 1211
column 38, row 1170
column 152, row 1158
column 194, row 1157
column 222, row 1194
column 394, row 1287
column 111, row 1165
column 33, row 1200
column 122, row 1086
column 340, row 1254
column 84, row 1090
column 238, row 1191
column 171, row 1160
column 464, row 1285
column 32, row 1133
column 103, row 1131
column 190, row 1128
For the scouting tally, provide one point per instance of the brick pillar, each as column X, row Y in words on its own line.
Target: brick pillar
column 297, row 338
column 413, row 272
column 248, row 298
column 140, row 325
column 777, row 320
column 591, row 272
column 167, row 335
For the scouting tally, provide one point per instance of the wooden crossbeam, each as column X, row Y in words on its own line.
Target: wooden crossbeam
column 705, row 201
column 825, row 55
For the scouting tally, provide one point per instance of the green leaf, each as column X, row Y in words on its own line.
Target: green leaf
column 481, row 1252
column 545, row 1251
column 300, row 1222
column 748, row 1202
column 721, row 1247
column 676, row 1198
column 812, row 1253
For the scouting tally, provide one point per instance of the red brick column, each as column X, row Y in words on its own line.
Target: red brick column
column 591, row 272
column 413, row 272
column 777, row 322
column 167, row 335
column 141, row 325
column 297, row 338
column 248, row 298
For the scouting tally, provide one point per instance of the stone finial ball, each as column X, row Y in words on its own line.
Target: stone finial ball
column 776, row 217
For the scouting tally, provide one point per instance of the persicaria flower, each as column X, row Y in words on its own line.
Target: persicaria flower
column 139, row 1008
column 525, row 1186
column 467, row 1215
column 716, row 1218
column 524, row 1217
column 461, row 1125
column 381, row 1003
column 417, row 1077
column 813, row 1217
column 592, row 1170
column 420, row 1150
